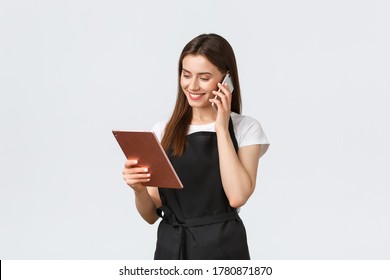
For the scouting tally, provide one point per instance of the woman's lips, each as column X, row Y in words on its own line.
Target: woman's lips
column 195, row 96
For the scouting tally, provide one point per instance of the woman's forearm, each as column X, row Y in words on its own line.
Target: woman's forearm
column 145, row 206
column 236, row 181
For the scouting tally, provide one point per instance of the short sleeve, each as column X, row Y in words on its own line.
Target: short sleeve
column 249, row 132
column 255, row 135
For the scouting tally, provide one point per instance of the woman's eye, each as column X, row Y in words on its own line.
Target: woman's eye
column 186, row 76
column 204, row 79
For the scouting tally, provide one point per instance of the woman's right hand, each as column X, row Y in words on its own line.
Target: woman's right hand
column 135, row 175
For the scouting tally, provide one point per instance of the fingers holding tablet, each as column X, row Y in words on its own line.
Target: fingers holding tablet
column 146, row 156
column 135, row 175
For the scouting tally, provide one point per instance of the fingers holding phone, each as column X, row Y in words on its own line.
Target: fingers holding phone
column 225, row 90
column 135, row 175
column 223, row 97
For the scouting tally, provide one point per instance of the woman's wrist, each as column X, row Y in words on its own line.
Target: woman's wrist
column 222, row 133
column 138, row 189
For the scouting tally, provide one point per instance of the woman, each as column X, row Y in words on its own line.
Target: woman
column 215, row 152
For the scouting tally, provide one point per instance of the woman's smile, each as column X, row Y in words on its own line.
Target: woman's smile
column 196, row 96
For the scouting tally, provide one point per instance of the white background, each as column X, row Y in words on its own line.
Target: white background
column 314, row 73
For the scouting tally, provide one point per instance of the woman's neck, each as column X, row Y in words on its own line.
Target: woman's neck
column 203, row 115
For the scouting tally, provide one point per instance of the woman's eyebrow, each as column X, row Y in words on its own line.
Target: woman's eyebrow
column 201, row 73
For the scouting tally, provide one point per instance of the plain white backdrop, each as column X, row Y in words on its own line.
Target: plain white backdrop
column 315, row 74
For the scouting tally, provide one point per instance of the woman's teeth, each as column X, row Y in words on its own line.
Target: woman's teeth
column 196, row 96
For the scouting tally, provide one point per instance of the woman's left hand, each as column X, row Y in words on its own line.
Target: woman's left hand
column 223, row 104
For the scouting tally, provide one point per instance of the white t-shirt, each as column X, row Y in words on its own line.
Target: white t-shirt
column 247, row 130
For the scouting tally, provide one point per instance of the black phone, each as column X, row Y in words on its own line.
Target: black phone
column 228, row 80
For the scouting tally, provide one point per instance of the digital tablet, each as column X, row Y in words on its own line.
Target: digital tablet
column 146, row 148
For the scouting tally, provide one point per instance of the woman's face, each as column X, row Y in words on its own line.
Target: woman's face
column 198, row 79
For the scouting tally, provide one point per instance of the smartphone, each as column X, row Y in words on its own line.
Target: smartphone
column 228, row 80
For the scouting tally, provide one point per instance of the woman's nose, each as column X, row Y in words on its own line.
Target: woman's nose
column 194, row 85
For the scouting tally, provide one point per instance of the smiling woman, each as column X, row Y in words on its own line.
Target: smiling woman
column 198, row 85
column 214, row 152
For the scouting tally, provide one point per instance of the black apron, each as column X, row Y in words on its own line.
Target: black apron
column 197, row 221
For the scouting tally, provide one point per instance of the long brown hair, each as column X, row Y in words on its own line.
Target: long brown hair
column 219, row 52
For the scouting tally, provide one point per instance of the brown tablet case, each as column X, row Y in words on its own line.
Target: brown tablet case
column 145, row 147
